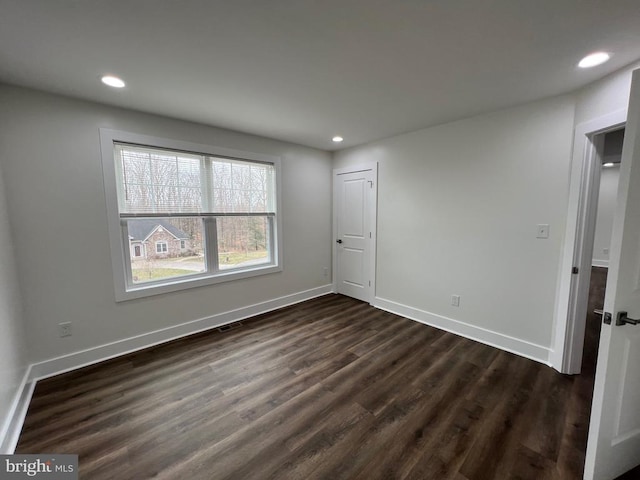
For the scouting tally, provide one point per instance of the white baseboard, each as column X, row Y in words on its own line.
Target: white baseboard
column 600, row 263
column 65, row 363
column 482, row 335
column 12, row 425
column 73, row 361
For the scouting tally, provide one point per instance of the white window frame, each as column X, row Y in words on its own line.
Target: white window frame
column 121, row 256
column 166, row 246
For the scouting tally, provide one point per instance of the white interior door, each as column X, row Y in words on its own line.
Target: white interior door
column 614, row 432
column 354, row 220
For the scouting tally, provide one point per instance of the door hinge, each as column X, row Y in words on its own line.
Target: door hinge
column 369, row 282
column 575, row 270
column 369, row 234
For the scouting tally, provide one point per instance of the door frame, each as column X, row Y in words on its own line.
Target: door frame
column 373, row 219
column 573, row 289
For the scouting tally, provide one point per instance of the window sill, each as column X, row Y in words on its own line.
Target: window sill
column 175, row 285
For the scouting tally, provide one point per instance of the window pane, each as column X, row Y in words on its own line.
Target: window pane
column 158, row 181
column 243, row 241
column 161, row 181
column 242, row 187
column 162, row 248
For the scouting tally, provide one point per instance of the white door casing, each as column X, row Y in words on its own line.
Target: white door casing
column 573, row 292
column 354, row 228
column 614, row 431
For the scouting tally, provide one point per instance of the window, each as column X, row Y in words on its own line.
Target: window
column 204, row 214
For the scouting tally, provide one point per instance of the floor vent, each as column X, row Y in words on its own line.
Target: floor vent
column 231, row 326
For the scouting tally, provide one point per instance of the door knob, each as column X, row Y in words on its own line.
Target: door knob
column 338, row 241
column 624, row 320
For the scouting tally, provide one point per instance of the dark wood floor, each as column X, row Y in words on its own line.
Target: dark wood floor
column 327, row 389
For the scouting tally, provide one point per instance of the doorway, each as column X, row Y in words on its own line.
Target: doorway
column 593, row 321
column 609, row 153
column 606, row 201
column 580, row 248
column 354, row 226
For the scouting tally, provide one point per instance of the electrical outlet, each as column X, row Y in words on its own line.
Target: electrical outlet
column 64, row 329
column 605, row 251
column 326, row 271
column 455, row 300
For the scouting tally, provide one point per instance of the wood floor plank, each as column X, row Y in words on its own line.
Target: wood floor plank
column 332, row 389
column 549, row 404
column 447, row 449
column 399, row 453
column 364, row 442
column 530, row 465
column 495, row 444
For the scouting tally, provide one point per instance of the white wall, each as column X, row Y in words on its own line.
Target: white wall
column 458, row 209
column 606, row 209
column 604, row 96
column 596, row 100
column 13, row 359
column 596, row 104
column 51, row 150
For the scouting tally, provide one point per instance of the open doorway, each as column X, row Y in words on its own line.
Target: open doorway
column 609, row 154
column 574, row 282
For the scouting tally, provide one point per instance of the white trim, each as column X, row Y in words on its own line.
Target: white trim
column 120, row 254
column 600, row 263
column 568, row 340
column 14, row 421
column 373, row 167
column 514, row 345
column 73, row 361
column 164, row 229
column 165, row 249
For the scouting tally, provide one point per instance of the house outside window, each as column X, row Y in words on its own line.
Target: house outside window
column 183, row 215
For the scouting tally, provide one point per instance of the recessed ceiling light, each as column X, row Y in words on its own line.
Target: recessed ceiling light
column 608, row 164
column 337, row 139
column 594, row 59
column 112, row 81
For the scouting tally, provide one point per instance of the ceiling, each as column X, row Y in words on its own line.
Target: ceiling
column 305, row 70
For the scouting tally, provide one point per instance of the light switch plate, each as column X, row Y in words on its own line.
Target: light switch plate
column 543, row 230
